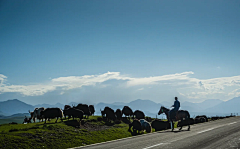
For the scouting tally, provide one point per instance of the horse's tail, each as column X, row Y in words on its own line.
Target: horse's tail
column 188, row 115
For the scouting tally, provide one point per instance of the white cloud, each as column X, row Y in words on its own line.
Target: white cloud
column 157, row 79
column 193, row 88
column 2, row 79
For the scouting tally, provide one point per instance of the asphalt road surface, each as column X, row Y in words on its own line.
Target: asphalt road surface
column 219, row 134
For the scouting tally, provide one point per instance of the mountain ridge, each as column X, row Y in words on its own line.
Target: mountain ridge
column 9, row 108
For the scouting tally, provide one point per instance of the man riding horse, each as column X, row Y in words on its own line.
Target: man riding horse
column 176, row 106
column 175, row 115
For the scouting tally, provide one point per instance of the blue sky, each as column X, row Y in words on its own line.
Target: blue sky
column 107, row 51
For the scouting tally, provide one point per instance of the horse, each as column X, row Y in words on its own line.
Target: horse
column 180, row 115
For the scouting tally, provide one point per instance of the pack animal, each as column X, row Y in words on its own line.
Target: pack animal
column 127, row 111
column 85, row 109
column 118, row 114
column 92, row 109
column 36, row 114
column 51, row 113
column 159, row 125
column 139, row 114
column 74, row 113
column 110, row 114
column 136, row 126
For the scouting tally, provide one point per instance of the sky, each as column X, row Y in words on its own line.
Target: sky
column 119, row 51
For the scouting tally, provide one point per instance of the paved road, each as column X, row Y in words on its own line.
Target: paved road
column 219, row 134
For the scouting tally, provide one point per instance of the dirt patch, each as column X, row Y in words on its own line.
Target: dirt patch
column 94, row 127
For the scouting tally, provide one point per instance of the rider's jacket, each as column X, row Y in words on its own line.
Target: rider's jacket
column 176, row 105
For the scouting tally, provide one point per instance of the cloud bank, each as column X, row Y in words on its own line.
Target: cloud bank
column 192, row 88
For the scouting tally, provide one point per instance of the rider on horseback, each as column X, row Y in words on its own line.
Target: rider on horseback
column 172, row 113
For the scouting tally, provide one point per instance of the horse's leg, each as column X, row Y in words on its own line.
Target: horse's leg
column 180, row 128
column 188, row 124
column 171, row 123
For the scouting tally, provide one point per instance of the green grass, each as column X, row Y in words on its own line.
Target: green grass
column 58, row 135
column 19, row 120
column 61, row 134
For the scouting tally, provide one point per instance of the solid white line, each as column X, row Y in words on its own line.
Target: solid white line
column 232, row 123
column 206, row 130
column 154, row 145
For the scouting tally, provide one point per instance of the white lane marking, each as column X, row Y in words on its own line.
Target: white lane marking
column 155, row 145
column 232, row 123
column 207, row 130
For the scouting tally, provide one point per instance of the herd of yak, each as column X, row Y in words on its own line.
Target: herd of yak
column 139, row 123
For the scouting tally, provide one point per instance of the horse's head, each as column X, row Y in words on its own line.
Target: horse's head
column 161, row 110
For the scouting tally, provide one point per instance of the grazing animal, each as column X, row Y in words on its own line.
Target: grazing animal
column 27, row 120
column 92, row 109
column 181, row 115
column 118, row 114
column 51, row 113
column 127, row 111
column 159, row 125
column 75, row 113
column 139, row 114
column 204, row 116
column 66, row 107
column 135, row 125
column 146, row 125
column 110, row 114
column 36, row 114
column 85, row 109
column 200, row 120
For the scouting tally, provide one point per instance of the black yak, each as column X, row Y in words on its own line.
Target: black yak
column 118, row 114
column 204, row 116
column 92, row 109
column 110, row 114
column 139, row 114
column 85, row 109
column 160, row 125
column 127, row 111
column 75, row 113
column 136, row 126
column 51, row 113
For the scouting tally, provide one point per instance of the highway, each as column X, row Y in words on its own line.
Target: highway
column 221, row 134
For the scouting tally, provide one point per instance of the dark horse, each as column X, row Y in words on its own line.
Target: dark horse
column 180, row 115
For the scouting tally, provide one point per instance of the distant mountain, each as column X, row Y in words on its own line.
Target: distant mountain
column 16, row 115
column 145, row 105
column 2, row 113
column 14, row 106
column 150, row 108
column 230, row 106
column 209, row 103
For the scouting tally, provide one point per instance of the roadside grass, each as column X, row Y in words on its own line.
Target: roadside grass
column 62, row 134
column 59, row 135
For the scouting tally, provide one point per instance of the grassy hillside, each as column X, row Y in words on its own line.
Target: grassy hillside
column 60, row 135
column 18, row 120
